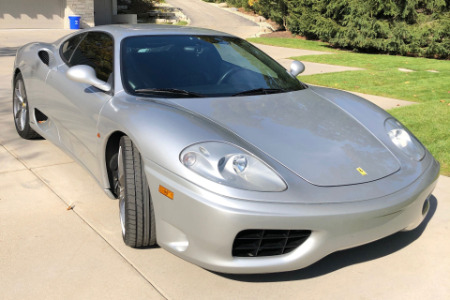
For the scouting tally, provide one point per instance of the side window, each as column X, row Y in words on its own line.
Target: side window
column 95, row 50
column 69, row 46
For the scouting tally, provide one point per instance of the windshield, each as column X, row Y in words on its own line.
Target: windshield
column 200, row 66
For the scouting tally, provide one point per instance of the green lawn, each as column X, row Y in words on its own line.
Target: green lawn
column 181, row 23
column 429, row 85
column 429, row 80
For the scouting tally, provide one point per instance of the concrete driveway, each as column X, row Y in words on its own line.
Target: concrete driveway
column 203, row 14
column 47, row 251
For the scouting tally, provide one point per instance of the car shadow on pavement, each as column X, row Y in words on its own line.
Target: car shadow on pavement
column 8, row 51
column 344, row 258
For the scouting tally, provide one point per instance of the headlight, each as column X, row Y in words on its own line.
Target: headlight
column 404, row 140
column 229, row 165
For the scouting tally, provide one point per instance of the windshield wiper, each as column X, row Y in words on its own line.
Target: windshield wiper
column 260, row 91
column 169, row 91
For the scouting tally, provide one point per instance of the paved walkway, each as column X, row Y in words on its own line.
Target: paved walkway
column 47, row 251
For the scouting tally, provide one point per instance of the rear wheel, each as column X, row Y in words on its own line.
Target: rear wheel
column 21, row 110
column 135, row 204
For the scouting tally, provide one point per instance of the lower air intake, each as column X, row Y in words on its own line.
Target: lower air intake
column 259, row 242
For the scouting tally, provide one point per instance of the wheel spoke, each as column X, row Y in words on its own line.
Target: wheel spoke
column 23, row 95
column 18, row 93
column 18, row 113
column 18, row 100
column 23, row 118
column 19, row 119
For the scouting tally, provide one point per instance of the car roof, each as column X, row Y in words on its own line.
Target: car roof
column 125, row 30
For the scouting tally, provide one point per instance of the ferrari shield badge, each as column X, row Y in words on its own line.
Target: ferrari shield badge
column 360, row 170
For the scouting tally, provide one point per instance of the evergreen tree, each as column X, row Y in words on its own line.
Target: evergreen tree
column 406, row 27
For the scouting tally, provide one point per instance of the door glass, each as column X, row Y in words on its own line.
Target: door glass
column 69, row 46
column 96, row 50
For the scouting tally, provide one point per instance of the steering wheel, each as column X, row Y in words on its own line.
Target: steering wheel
column 227, row 74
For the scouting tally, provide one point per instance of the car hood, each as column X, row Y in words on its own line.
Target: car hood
column 303, row 131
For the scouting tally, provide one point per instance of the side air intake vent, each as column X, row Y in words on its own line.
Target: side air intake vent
column 43, row 55
column 259, row 242
column 40, row 116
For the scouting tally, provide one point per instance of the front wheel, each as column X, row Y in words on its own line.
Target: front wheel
column 135, row 203
column 21, row 110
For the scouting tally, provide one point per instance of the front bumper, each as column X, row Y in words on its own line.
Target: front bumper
column 200, row 226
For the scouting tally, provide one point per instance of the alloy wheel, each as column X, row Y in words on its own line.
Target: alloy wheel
column 20, row 106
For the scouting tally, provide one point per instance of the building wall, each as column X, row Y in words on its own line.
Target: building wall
column 32, row 13
column 55, row 13
column 83, row 8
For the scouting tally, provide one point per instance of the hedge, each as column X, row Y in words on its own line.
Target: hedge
column 405, row 27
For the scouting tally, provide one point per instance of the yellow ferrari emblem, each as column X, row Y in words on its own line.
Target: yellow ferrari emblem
column 360, row 170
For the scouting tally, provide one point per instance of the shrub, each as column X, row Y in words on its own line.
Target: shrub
column 405, row 27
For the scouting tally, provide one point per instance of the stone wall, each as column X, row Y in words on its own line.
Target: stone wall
column 83, row 8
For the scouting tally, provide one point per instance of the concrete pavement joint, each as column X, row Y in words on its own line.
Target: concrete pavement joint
column 25, row 164
column 72, row 207
column 14, row 171
column 159, row 290
column 52, row 165
column 15, row 156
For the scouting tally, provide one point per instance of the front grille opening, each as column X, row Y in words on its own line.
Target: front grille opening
column 260, row 242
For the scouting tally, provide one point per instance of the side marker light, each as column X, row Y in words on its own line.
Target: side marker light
column 166, row 192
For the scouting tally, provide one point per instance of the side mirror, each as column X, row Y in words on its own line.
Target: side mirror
column 296, row 68
column 86, row 74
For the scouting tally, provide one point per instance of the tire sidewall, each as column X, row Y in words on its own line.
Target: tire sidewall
column 136, row 213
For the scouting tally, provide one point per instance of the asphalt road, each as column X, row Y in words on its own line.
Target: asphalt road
column 206, row 15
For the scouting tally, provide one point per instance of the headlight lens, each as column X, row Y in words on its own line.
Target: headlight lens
column 404, row 140
column 229, row 165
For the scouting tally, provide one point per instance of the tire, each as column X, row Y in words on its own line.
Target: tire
column 135, row 203
column 21, row 111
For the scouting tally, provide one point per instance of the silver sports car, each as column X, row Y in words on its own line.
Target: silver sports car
column 216, row 152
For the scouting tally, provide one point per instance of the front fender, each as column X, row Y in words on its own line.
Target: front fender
column 158, row 129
